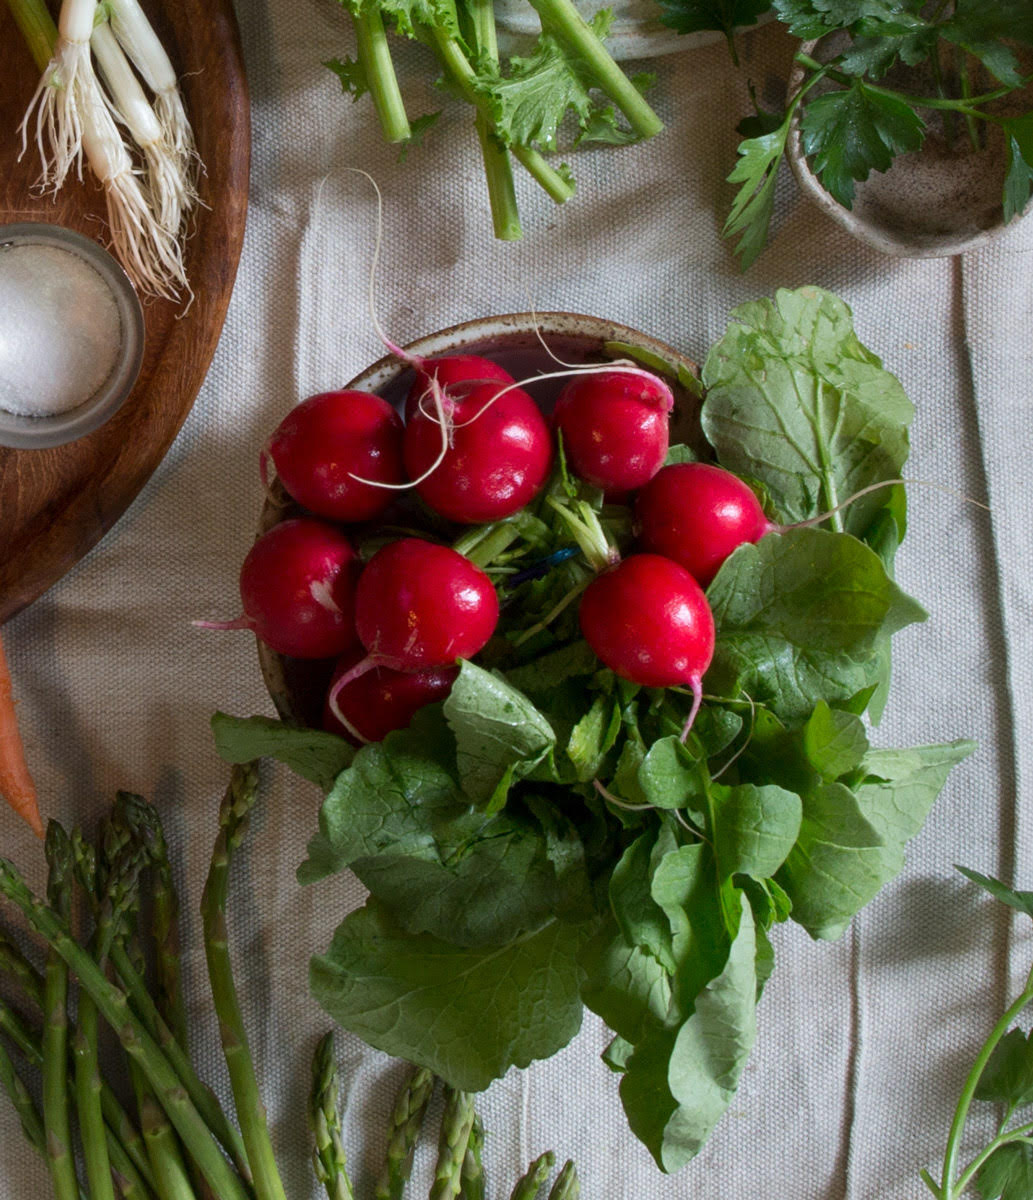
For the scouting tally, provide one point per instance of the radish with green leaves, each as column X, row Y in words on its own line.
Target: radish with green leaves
column 614, row 425
column 455, row 373
column 372, row 704
column 419, row 604
column 697, row 514
column 483, row 457
column 297, row 585
column 334, row 450
column 648, row 620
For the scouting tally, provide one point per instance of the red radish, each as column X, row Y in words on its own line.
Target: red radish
column 697, row 514
column 615, row 427
column 379, row 700
column 328, row 447
column 450, row 371
column 297, row 585
column 419, row 604
column 648, row 620
column 497, row 459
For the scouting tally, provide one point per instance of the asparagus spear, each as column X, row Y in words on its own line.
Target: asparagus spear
column 56, row 1119
column 118, row 1122
column 567, row 1185
column 114, row 1006
column 328, row 1156
column 233, row 820
column 16, row 966
column 406, row 1121
column 456, row 1124
column 472, row 1178
column 24, row 1105
column 530, row 1184
column 165, row 930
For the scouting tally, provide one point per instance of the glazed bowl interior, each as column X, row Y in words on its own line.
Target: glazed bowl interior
column 526, row 344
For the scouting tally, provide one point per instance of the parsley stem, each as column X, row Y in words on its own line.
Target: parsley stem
column 950, row 1158
column 1019, row 1134
column 970, row 105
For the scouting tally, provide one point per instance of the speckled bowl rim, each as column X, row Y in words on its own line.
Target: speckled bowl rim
column 19, row 432
column 935, row 246
column 510, row 331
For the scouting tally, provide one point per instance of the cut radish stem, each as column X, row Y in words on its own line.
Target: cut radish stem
column 419, row 604
column 648, row 620
column 297, row 585
column 615, row 427
column 697, row 514
column 497, row 458
column 451, row 371
column 379, row 700
column 333, row 449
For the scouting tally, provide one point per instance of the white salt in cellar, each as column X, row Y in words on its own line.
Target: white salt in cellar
column 60, row 333
column 71, row 335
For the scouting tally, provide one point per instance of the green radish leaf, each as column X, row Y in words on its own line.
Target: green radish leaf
column 670, row 778
column 499, row 734
column 834, row 742
column 795, row 400
column 467, row 1014
column 625, row 985
column 678, row 1083
column 593, row 737
column 837, row 865
column 351, row 74
column 798, row 617
column 314, row 755
column 754, row 828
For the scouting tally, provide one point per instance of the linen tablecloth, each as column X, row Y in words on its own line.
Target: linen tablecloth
column 862, row 1043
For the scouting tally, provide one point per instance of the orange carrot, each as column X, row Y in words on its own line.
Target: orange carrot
column 16, row 784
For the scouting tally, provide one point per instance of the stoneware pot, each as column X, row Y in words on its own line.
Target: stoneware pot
column 297, row 686
column 941, row 200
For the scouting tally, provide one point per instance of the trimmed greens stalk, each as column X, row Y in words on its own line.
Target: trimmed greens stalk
column 233, row 821
column 56, row 1119
column 457, row 65
column 113, row 1005
column 406, row 1122
column 561, row 18
column 374, row 57
column 529, row 1184
column 456, row 1125
column 328, row 1157
column 471, row 1179
column 497, row 169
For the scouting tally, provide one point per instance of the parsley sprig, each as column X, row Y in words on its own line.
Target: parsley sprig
column 1001, row 1074
column 855, row 123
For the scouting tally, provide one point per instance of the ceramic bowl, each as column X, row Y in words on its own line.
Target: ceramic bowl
column 297, row 686
column 934, row 202
column 28, row 433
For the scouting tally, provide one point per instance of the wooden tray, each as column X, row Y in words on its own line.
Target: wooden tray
column 56, row 504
